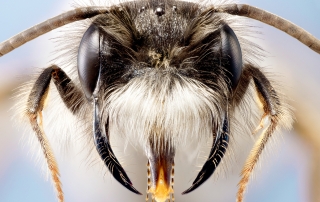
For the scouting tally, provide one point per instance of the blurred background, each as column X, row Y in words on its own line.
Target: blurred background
column 291, row 173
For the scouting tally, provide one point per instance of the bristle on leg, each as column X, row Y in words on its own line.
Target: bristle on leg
column 261, row 125
column 149, row 181
column 36, row 122
column 275, row 110
column 253, row 158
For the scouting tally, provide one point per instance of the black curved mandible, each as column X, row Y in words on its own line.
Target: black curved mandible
column 216, row 154
column 103, row 147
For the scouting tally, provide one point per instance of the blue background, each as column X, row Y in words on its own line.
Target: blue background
column 284, row 176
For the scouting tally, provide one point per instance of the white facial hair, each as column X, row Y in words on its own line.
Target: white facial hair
column 164, row 107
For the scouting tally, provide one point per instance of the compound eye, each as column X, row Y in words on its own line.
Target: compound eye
column 231, row 54
column 89, row 60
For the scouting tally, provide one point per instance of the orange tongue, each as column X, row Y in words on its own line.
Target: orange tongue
column 163, row 189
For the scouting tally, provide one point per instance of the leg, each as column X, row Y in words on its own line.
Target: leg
column 35, row 105
column 273, row 109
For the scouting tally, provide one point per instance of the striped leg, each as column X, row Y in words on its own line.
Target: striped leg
column 273, row 109
column 35, row 105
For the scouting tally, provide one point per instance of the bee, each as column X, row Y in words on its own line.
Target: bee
column 136, row 64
